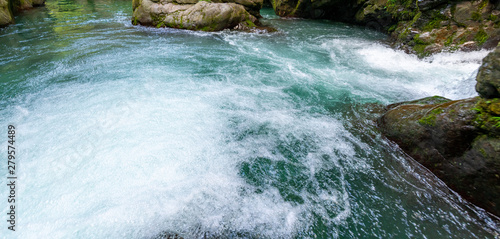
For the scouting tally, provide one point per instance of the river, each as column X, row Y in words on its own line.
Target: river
column 125, row 131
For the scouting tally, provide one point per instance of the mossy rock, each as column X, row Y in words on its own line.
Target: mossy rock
column 488, row 76
column 457, row 140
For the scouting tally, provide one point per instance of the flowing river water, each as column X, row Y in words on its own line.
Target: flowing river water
column 134, row 132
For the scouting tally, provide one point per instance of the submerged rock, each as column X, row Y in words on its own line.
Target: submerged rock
column 459, row 140
column 20, row 5
column 197, row 15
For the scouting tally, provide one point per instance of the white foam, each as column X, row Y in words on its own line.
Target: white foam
column 114, row 159
column 451, row 75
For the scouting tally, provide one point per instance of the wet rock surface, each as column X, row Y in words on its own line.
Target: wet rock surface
column 459, row 141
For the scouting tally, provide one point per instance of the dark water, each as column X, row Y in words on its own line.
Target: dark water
column 128, row 132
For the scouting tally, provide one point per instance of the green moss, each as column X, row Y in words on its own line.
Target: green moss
column 430, row 118
column 135, row 21
column 392, row 28
column 420, row 50
column 402, row 9
column 296, row 8
column 417, row 40
column 404, row 33
column 476, row 16
column 449, row 40
column 250, row 23
column 483, row 4
column 481, row 37
column 157, row 20
column 391, row 3
column 492, row 17
column 210, row 28
column 497, row 119
column 435, row 21
column 485, row 119
column 181, row 24
column 415, row 18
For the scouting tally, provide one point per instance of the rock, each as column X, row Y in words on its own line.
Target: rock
column 8, row 8
column 194, row 14
column 441, row 25
column 468, row 46
column 6, row 16
column 430, row 126
column 20, row 5
column 488, row 77
column 327, row 9
column 252, row 6
column 450, row 139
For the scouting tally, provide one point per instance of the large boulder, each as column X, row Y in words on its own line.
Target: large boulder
column 459, row 141
column 196, row 15
column 488, row 77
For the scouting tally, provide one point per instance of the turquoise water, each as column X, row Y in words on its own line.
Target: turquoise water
column 130, row 132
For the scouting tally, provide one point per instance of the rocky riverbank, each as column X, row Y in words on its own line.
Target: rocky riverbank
column 420, row 27
column 8, row 8
column 459, row 140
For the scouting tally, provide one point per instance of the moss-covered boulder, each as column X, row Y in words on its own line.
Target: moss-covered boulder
column 196, row 15
column 6, row 16
column 457, row 140
column 450, row 26
column 488, row 77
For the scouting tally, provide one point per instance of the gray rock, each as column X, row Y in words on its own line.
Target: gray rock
column 205, row 16
column 488, row 76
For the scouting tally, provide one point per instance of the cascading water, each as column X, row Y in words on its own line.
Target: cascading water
column 131, row 132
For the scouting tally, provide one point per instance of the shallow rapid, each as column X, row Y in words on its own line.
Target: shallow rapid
column 132, row 132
